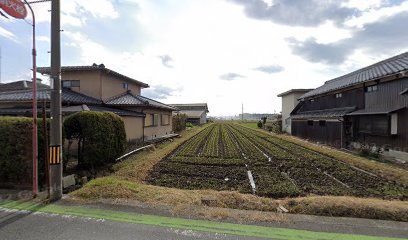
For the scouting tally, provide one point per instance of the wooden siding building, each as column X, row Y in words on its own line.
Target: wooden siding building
column 368, row 107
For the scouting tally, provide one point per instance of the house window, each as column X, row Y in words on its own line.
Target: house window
column 165, row 119
column 70, row 83
column 373, row 88
column 310, row 122
column 339, row 95
column 151, row 120
column 125, row 85
column 155, row 119
column 375, row 125
column 394, row 124
column 322, row 123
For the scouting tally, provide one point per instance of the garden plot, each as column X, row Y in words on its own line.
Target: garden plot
column 221, row 157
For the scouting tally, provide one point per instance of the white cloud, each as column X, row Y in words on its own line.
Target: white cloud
column 43, row 39
column 375, row 14
column 7, row 34
column 209, row 39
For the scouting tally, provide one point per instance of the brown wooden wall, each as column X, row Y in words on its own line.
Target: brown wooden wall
column 329, row 134
column 388, row 95
column 350, row 98
column 397, row 142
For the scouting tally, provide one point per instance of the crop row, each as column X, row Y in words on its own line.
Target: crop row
column 220, row 156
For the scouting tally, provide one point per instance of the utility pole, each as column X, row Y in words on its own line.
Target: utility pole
column 242, row 111
column 56, row 126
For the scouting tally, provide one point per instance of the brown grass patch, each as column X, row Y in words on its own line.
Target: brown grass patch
column 127, row 184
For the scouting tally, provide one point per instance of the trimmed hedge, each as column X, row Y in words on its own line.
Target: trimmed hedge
column 16, row 152
column 101, row 137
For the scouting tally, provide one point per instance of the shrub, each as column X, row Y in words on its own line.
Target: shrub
column 275, row 126
column 259, row 124
column 179, row 122
column 189, row 125
column 16, row 152
column 101, row 137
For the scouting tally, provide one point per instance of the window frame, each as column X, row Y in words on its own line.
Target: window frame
column 71, row 85
column 165, row 117
column 371, row 88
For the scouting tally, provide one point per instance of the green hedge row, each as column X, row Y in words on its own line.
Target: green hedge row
column 16, row 152
column 101, row 137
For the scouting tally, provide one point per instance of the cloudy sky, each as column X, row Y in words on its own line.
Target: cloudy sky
column 223, row 52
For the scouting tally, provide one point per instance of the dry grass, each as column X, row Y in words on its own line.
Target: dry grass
column 127, row 184
column 349, row 207
column 240, row 216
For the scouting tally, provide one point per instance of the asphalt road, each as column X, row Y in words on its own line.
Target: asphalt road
column 45, row 226
column 31, row 220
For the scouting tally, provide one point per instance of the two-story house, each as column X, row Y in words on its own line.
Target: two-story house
column 98, row 88
column 290, row 99
column 366, row 107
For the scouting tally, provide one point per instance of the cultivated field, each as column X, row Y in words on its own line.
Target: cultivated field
column 228, row 156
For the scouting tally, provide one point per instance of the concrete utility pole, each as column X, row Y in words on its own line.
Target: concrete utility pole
column 242, row 112
column 56, row 126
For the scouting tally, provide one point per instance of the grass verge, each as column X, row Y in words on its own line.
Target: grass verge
column 127, row 183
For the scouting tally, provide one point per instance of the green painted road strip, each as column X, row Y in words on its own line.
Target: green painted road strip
column 179, row 223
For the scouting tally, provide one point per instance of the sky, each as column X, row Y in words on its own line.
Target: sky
column 222, row 52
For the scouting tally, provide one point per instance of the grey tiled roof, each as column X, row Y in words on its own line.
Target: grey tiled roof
column 95, row 67
column 191, row 106
column 157, row 104
column 376, row 111
column 326, row 113
column 21, row 85
column 70, row 110
column 128, row 99
column 120, row 112
column 68, row 96
column 378, row 70
column 193, row 113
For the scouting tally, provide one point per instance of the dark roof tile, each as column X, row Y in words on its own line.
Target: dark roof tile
column 325, row 113
column 381, row 69
column 21, row 85
column 128, row 99
column 68, row 96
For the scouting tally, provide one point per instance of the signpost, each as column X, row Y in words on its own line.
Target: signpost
column 17, row 9
column 14, row 8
